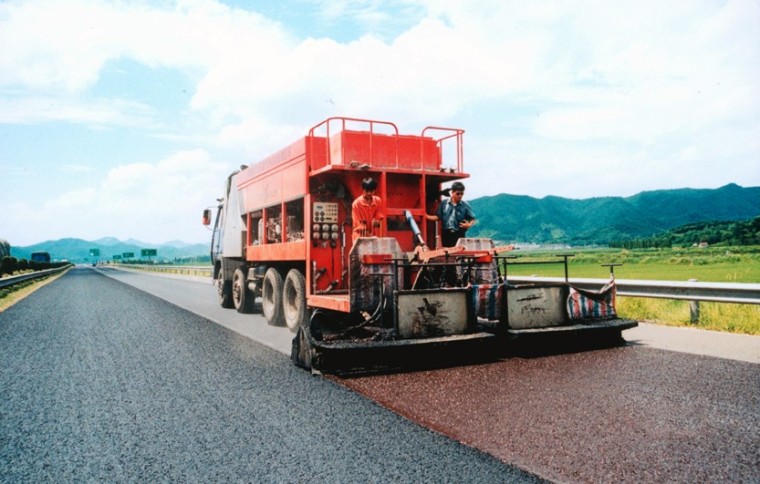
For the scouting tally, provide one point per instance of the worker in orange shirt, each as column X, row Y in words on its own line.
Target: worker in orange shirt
column 366, row 211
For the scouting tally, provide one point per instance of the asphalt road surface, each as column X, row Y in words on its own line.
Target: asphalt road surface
column 102, row 382
column 675, row 404
column 632, row 414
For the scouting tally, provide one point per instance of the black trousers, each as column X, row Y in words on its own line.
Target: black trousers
column 449, row 237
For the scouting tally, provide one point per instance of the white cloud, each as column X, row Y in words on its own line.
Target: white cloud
column 645, row 95
column 96, row 112
column 164, row 199
column 601, row 65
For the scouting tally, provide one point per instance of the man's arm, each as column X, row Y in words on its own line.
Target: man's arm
column 469, row 217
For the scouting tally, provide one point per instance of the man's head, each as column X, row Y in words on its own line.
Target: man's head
column 369, row 185
column 457, row 191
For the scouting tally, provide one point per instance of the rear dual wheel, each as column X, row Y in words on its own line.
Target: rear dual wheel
column 284, row 302
column 271, row 297
column 294, row 300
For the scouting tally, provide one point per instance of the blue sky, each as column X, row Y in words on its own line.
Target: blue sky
column 122, row 118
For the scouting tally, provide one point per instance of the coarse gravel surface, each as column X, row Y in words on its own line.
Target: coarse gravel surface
column 102, row 382
column 627, row 414
column 630, row 414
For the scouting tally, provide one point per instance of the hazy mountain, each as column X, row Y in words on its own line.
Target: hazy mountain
column 513, row 218
column 78, row 250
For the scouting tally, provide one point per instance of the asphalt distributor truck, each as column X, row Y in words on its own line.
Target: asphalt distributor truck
column 283, row 234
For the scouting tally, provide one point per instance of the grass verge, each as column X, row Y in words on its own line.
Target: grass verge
column 730, row 318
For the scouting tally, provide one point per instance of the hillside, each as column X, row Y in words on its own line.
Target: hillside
column 712, row 233
column 514, row 218
column 78, row 250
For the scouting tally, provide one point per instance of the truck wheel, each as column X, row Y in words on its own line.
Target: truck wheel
column 271, row 297
column 241, row 297
column 294, row 299
column 224, row 291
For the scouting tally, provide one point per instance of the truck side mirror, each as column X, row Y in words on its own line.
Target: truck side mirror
column 207, row 217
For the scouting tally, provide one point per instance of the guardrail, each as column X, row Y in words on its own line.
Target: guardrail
column 10, row 281
column 201, row 271
column 740, row 293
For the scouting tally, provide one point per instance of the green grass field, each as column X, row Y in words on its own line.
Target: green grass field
column 724, row 264
column 718, row 264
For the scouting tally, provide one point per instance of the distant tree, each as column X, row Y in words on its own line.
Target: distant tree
column 713, row 233
column 5, row 248
column 5, row 265
column 9, row 265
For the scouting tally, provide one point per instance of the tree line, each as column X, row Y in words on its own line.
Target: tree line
column 10, row 265
column 712, row 233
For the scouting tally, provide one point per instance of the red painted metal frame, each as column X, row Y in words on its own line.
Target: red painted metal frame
column 406, row 167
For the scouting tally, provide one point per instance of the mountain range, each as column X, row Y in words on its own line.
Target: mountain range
column 510, row 219
column 78, row 250
column 556, row 220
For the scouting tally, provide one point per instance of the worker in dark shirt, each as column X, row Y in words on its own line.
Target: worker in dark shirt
column 455, row 215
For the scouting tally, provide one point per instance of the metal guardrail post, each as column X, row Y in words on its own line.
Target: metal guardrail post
column 693, row 308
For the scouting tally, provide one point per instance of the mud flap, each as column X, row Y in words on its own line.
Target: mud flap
column 300, row 352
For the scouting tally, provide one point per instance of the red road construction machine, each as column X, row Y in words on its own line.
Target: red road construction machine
column 283, row 233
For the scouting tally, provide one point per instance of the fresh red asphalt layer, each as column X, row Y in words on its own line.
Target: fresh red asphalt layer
column 628, row 414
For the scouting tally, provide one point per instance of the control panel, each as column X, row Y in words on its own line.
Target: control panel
column 325, row 212
column 325, row 230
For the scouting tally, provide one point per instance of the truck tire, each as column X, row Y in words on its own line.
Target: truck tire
column 224, row 292
column 242, row 298
column 294, row 300
column 271, row 297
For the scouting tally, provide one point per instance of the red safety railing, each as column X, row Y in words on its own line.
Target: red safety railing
column 454, row 134
column 382, row 152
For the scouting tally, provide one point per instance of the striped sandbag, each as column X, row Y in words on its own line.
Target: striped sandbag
column 487, row 300
column 585, row 304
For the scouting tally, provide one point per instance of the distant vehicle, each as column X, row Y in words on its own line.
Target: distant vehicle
column 40, row 257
